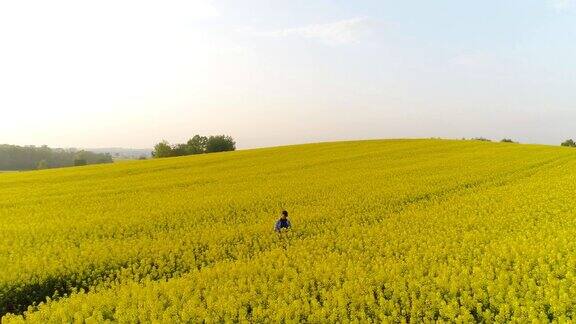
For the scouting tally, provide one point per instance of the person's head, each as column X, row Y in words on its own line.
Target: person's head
column 284, row 214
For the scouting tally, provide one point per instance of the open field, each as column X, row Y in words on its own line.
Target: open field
column 399, row 230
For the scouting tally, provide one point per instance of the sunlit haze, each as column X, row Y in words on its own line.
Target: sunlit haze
column 131, row 73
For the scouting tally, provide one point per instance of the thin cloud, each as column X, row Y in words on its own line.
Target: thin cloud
column 483, row 65
column 562, row 5
column 340, row 32
column 478, row 60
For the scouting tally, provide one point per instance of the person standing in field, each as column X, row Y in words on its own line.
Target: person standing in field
column 283, row 222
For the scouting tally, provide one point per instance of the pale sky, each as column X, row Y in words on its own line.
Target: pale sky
column 131, row 73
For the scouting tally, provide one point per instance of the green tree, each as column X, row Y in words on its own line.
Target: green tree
column 104, row 158
column 197, row 144
column 162, row 149
column 43, row 164
column 220, row 143
column 80, row 162
column 180, row 150
column 569, row 143
column 81, row 158
column 507, row 140
column 14, row 157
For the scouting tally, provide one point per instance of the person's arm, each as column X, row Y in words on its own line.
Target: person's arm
column 277, row 226
column 289, row 224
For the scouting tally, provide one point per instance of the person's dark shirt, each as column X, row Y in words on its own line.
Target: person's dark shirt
column 282, row 223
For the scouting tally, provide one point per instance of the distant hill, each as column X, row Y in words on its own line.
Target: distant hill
column 123, row 153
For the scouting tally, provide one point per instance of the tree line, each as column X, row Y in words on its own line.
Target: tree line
column 20, row 158
column 566, row 143
column 569, row 143
column 196, row 145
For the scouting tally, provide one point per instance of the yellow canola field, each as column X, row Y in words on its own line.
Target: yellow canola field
column 395, row 230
